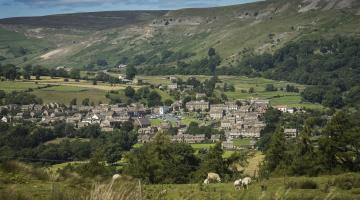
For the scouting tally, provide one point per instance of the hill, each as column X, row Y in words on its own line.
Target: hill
column 143, row 37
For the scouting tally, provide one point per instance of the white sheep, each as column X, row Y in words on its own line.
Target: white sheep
column 238, row 183
column 116, row 176
column 213, row 177
column 246, row 182
column 206, row 182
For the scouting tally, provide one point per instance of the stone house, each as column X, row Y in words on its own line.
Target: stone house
column 290, row 133
column 229, row 144
column 216, row 114
column 173, row 87
column 197, row 105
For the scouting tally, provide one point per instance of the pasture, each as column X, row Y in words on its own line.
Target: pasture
column 276, row 188
column 9, row 86
column 64, row 94
column 96, row 92
column 242, row 85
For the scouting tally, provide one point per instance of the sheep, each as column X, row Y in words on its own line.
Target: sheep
column 116, row 176
column 238, row 183
column 206, row 182
column 213, row 177
column 246, row 182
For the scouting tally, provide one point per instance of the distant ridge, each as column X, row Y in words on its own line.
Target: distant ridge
column 81, row 39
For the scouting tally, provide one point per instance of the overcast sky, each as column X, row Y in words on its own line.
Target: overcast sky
column 15, row 8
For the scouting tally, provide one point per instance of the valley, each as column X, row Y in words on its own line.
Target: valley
column 258, row 100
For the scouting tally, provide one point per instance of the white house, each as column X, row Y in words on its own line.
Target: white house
column 163, row 110
column 172, row 86
column 122, row 66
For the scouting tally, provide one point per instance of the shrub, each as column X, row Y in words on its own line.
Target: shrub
column 305, row 184
column 308, row 184
column 15, row 166
column 347, row 182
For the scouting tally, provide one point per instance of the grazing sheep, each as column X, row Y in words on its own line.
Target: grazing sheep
column 116, row 176
column 213, row 177
column 206, row 182
column 237, row 184
column 246, row 182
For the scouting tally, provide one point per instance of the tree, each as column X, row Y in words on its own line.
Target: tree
column 270, row 88
column 10, row 72
column 154, row 99
column 168, row 102
column 95, row 167
column 73, row 102
column 251, row 90
column 101, row 62
column 340, row 145
column 212, row 162
column 75, row 73
column 130, row 72
column 86, row 102
column 27, row 72
column 211, row 52
column 129, row 92
column 305, row 160
column 161, row 161
column 333, row 100
column 2, row 94
column 313, row 94
column 276, row 155
column 39, row 71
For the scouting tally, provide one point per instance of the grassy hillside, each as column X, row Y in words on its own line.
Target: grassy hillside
column 232, row 30
column 24, row 182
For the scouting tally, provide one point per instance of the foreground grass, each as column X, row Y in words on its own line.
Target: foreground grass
column 24, row 182
column 276, row 189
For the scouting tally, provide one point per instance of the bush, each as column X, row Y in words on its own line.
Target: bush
column 15, row 167
column 308, row 184
column 305, row 184
column 347, row 182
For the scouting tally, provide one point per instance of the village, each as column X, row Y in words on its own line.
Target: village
column 233, row 119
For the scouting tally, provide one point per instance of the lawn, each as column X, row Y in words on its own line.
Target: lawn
column 186, row 120
column 242, row 142
column 156, row 122
column 202, row 146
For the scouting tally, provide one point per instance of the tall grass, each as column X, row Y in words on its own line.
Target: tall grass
column 18, row 167
column 124, row 188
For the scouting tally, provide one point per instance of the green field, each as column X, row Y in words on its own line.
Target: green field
column 63, row 92
column 242, row 142
column 202, row 146
column 9, row 86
